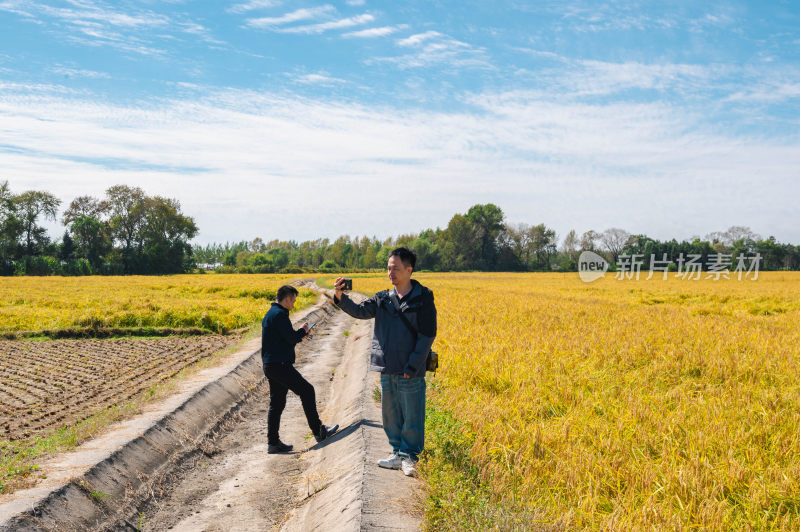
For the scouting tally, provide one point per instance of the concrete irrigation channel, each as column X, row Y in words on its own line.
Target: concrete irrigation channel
column 198, row 460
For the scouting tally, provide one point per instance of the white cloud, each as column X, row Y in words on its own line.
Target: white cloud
column 79, row 73
column 432, row 48
column 330, row 25
column 538, row 156
column 715, row 85
column 418, row 38
column 294, row 16
column 540, row 53
column 718, row 20
column 588, row 78
column 87, row 13
column 17, row 7
column 601, row 17
column 244, row 7
column 600, row 77
column 39, row 89
column 320, row 78
column 373, row 32
column 767, row 92
column 95, row 24
column 192, row 28
column 356, row 2
column 127, row 43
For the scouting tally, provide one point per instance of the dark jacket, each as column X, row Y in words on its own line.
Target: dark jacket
column 394, row 350
column 278, row 337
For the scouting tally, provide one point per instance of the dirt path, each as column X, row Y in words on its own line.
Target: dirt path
column 231, row 483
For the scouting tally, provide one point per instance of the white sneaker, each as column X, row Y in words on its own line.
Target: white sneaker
column 393, row 462
column 409, row 467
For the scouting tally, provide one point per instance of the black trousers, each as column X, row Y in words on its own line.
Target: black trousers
column 283, row 377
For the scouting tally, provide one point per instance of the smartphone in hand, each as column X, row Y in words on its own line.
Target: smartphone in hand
column 348, row 284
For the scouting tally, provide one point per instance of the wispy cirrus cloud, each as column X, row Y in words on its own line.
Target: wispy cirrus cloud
column 293, row 16
column 71, row 72
column 583, row 17
column 338, row 24
column 205, row 34
column 602, row 77
column 375, row 32
column 768, row 91
column 545, row 54
column 282, row 24
column 593, row 17
column 317, row 78
column 244, row 7
column 86, row 13
column 418, row 38
column 711, row 20
column 95, row 23
column 676, row 82
column 432, row 48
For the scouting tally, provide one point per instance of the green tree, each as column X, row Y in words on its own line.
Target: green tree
column 126, row 206
column 571, row 246
column 340, row 251
column 84, row 206
column 428, row 255
column 773, row 254
column 164, row 236
column 589, row 240
column 462, row 250
column 487, row 221
column 614, row 240
column 67, row 249
column 542, row 241
column 91, row 238
column 10, row 230
column 31, row 206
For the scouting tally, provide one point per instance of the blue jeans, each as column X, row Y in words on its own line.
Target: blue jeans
column 403, row 409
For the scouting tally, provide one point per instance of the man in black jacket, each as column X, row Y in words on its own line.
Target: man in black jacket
column 278, row 339
column 405, row 326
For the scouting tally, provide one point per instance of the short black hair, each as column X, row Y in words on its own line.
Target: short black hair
column 285, row 291
column 408, row 257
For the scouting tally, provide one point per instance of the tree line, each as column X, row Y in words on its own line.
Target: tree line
column 130, row 232
column 481, row 240
column 125, row 232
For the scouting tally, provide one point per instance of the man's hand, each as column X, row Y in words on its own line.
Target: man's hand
column 406, row 375
column 306, row 327
column 338, row 285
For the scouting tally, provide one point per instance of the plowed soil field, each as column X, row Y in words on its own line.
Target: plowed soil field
column 46, row 385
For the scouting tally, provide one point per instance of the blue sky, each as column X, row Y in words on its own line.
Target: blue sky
column 299, row 120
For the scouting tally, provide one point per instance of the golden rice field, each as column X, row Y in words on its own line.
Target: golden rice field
column 215, row 302
column 616, row 405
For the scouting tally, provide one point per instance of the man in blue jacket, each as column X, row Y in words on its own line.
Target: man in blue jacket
column 278, row 339
column 399, row 352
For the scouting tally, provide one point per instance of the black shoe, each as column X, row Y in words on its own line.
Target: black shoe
column 325, row 432
column 280, row 447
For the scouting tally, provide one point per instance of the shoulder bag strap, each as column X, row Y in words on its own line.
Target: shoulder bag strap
column 402, row 317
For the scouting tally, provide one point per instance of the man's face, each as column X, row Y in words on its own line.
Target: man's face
column 288, row 302
column 399, row 273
